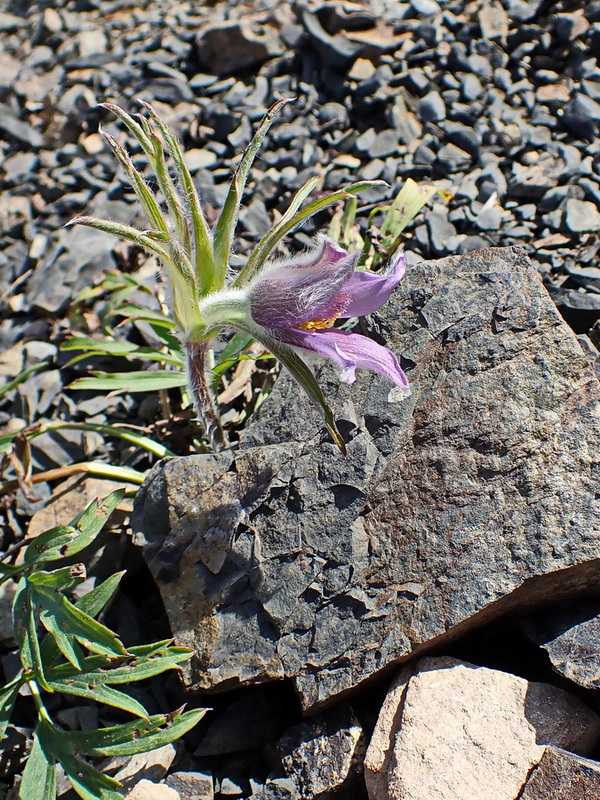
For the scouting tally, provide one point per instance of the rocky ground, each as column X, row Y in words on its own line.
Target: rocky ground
column 497, row 103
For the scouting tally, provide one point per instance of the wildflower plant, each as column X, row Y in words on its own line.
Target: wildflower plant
column 64, row 649
column 289, row 306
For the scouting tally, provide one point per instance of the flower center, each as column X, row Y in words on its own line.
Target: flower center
column 316, row 324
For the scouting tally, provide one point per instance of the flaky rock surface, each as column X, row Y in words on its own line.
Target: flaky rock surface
column 452, row 731
column 471, row 495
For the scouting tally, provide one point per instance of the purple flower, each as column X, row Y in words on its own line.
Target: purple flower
column 297, row 302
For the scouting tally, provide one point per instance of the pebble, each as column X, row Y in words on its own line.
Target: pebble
column 432, row 107
column 581, row 216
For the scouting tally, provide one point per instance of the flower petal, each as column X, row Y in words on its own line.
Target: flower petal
column 348, row 351
column 288, row 293
column 368, row 291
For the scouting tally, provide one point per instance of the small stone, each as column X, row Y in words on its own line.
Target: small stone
column 432, row 107
column 361, row 70
column 200, row 158
column 425, row 7
column 147, row 790
column 490, row 219
column 581, row 216
column 336, row 51
column 577, row 120
column 191, row 785
column 148, row 767
column 324, row 755
column 385, row 144
column 463, row 137
column 471, row 87
column 493, row 21
column 235, row 46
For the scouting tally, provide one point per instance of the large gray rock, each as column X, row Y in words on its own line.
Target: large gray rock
column 471, row 496
column 563, row 775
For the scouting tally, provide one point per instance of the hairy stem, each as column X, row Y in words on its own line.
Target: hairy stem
column 196, row 355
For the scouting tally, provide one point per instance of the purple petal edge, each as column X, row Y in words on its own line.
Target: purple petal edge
column 349, row 351
column 368, row 291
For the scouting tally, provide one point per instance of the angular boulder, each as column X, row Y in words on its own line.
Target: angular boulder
column 472, row 495
column 449, row 729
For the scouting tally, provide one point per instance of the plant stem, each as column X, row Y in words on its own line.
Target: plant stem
column 196, row 357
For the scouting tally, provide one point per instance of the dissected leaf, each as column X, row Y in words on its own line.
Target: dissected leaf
column 288, row 223
column 8, row 695
column 39, row 776
column 101, row 693
column 68, row 540
column 61, row 614
column 139, row 736
column 92, row 603
column 141, row 663
column 87, row 781
column 225, row 227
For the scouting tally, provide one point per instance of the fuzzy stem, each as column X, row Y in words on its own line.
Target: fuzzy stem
column 196, row 355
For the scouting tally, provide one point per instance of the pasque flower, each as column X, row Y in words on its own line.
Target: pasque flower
column 290, row 305
column 297, row 302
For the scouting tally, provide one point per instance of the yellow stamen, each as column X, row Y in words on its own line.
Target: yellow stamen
column 316, row 324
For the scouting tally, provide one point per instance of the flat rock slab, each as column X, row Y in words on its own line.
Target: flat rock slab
column 472, row 495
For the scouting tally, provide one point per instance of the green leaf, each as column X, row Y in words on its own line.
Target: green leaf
column 92, row 603
column 113, row 347
column 8, row 695
column 101, row 693
column 138, row 736
column 130, row 311
column 68, row 540
column 287, row 223
column 64, row 639
column 65, row 578
column 7, row 571
column 141, row 663
column 26, row 633
column 22, row 376
column 225, row 226
column 39, row 776
column 60, row 613
column 100, row 596
column 87, row 781
column 131, row 381
column 127, row 434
